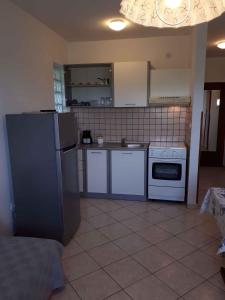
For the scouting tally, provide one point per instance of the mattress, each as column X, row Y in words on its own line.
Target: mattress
column 30, row 268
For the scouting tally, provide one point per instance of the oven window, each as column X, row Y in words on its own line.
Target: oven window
column 166, row 171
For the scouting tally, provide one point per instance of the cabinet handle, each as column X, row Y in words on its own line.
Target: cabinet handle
column 126, row 153
column 130, row 104
column 96, row 152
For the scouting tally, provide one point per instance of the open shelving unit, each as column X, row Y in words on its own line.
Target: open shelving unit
column 89, row 85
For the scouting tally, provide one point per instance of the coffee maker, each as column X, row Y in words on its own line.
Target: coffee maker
column 86, row 137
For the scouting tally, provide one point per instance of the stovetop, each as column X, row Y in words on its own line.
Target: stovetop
column 171, row 145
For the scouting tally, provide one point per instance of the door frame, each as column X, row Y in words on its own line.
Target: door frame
column 221, row 124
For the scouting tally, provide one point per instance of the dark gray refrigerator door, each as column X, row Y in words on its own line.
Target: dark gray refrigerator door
column 37, row 210
column 70, row 193
column 65, row 130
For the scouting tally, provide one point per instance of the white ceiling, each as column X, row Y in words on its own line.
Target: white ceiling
column 85, row 20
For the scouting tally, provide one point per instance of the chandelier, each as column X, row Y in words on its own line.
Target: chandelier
column 171, row 13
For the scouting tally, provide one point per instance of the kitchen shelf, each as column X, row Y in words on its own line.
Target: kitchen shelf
column 96, row 83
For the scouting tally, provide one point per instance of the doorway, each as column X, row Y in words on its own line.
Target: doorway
column 213, row 126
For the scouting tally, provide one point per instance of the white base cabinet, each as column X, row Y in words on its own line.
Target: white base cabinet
column 81, row 170
column 97, row 171
column 128, row 172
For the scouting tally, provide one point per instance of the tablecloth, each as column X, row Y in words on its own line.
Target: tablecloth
column 214, row 203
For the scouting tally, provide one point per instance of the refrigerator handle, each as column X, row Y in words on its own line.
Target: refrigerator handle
column 67, row 149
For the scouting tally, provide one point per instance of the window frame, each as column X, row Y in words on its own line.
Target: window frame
column 59, row 80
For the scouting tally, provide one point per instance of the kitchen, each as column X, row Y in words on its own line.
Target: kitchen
column 131, row 121
column 138, row 248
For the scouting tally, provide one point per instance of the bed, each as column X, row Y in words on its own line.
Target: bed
column 30, row 268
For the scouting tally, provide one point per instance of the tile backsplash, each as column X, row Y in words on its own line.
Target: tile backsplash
column 135, row 124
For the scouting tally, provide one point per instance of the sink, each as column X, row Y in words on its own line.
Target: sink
column 134, row 145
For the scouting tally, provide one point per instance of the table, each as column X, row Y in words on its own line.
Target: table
column 214, row 203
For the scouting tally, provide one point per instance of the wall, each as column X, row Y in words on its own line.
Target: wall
column 28, row 50
column 199, row 43
column 215, row 69
column 134, row 124
column 163, row 52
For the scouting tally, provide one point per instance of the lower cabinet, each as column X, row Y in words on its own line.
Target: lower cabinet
column 128, row 172
column 81, row 170
column 97, row 171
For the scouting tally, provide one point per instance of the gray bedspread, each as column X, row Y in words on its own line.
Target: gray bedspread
column 30, row 268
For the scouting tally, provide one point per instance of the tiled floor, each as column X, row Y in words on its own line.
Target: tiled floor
column 142, row 251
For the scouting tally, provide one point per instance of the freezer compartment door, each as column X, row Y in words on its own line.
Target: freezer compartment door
column 65, row 130
column 70, row 193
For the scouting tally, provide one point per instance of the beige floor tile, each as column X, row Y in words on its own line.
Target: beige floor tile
column 91, row 239
column 179, row 278
column 136, row 223
column 195, row 237
column 122, row 214
column 174, row 226
column 191, row 218
column 201, row 263
column 176, row 247
column 132, row 243
column 154, row 204
column 71, row 249
column 95, row 286
column 122, row 203
column 154, row 234
column 211, row 248
column 153, row 259
column 126, row 272
column 217, row 280
column 115, row 231
column 107, row 254
column 154, row 217
column 151, row 288
column 90, row 211
column 173, row 211
column 205, row 291
column 210, row 228
column 79, row 265
column 119, row 296
column 84, row 228
column 139, row 209
column 108, row 206
column 101, row 220
column 66, row 294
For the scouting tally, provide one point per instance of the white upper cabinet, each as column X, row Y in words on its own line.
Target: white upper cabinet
column 131, row 84
column 170, row 85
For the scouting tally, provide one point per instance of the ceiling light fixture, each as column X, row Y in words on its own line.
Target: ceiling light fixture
column 117, row 25
column 171, row 13
column 221, row 45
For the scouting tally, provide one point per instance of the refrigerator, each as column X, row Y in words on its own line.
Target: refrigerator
column 44, row 169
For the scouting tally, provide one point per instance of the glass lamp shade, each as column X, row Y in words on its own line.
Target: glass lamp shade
column 171, row 13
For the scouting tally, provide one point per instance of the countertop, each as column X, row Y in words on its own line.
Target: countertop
column 114, row 146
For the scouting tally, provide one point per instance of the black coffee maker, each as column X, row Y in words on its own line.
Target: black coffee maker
column 86, row 137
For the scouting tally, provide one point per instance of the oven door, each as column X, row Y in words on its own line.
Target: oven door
column 167, row 172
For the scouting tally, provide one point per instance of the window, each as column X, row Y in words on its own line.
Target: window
column 59, row 88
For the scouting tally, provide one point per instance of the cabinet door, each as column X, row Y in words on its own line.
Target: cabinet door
column 81, row 170
column 128, row 172
column 170, row 83
column 131, row 84
column 97, row 171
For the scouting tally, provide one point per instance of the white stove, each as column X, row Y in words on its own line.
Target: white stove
column 167, row 171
